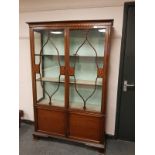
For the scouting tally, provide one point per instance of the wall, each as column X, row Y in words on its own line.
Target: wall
column 116, row 13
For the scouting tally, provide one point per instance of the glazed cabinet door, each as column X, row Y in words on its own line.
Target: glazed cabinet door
column 86, row 67
column 49, row 56
column 49, row 64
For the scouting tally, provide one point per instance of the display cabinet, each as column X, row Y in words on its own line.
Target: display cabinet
column 69, row 78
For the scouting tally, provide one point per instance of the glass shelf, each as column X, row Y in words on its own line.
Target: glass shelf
column 45, row 101
column 79, row 82
column 60, row 103
column 79, row 56
column 48, row 55
column 90, row 107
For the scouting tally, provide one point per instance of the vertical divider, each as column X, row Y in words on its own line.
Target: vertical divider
column 106, row 64
column 66, row 32
column 43, row 59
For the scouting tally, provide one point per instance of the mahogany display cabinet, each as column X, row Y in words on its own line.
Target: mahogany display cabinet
column 69, row 78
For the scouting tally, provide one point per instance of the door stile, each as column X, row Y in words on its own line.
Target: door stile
column 105, row 80
column 31, row 33
column 66, row 32
column 105, row 70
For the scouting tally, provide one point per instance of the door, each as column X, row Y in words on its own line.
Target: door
column 49, row 61
column 85, row 89
column 125, row 123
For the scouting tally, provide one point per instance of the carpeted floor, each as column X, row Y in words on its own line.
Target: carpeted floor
column 28, row 146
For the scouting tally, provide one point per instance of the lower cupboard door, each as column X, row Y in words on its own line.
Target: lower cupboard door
column 86, row 127
column 51, row 121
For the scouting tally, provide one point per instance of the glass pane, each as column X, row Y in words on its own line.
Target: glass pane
column 46, row 91
column 49, row 55
column 51, row 40
column 93, row 104
column 49, row 65
column 86, row 58
column 95, row 37
column 39, row 90
column 37, row 42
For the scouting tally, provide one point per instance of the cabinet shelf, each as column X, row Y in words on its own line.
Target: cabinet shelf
column 45, row 101
column 79, row 82
column 89, row 107
column 73, row 105
column 84, row 56
column 48, row 55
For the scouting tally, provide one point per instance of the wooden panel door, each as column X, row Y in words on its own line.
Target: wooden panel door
column 86, row 126
column 51, row 121
column 125, row 127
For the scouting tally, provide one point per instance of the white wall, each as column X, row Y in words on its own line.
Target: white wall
column 115, row 13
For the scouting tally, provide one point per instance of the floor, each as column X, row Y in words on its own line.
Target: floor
column 28, row 146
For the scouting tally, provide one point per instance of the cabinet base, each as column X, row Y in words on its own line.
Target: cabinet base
column 99, row 147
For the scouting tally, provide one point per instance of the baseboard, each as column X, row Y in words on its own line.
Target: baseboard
column 27, row 121
column 108, row 136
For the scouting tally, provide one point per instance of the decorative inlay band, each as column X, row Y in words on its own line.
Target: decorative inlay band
column 37, row 68
column 100, row 72
column 62, row 70
column 71, row 71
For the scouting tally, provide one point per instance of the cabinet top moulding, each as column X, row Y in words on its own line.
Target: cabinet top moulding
column 79, row 23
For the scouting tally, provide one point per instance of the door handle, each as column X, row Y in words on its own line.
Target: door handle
column 126, row 85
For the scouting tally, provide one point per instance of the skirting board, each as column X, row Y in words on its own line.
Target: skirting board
column 27, row 121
